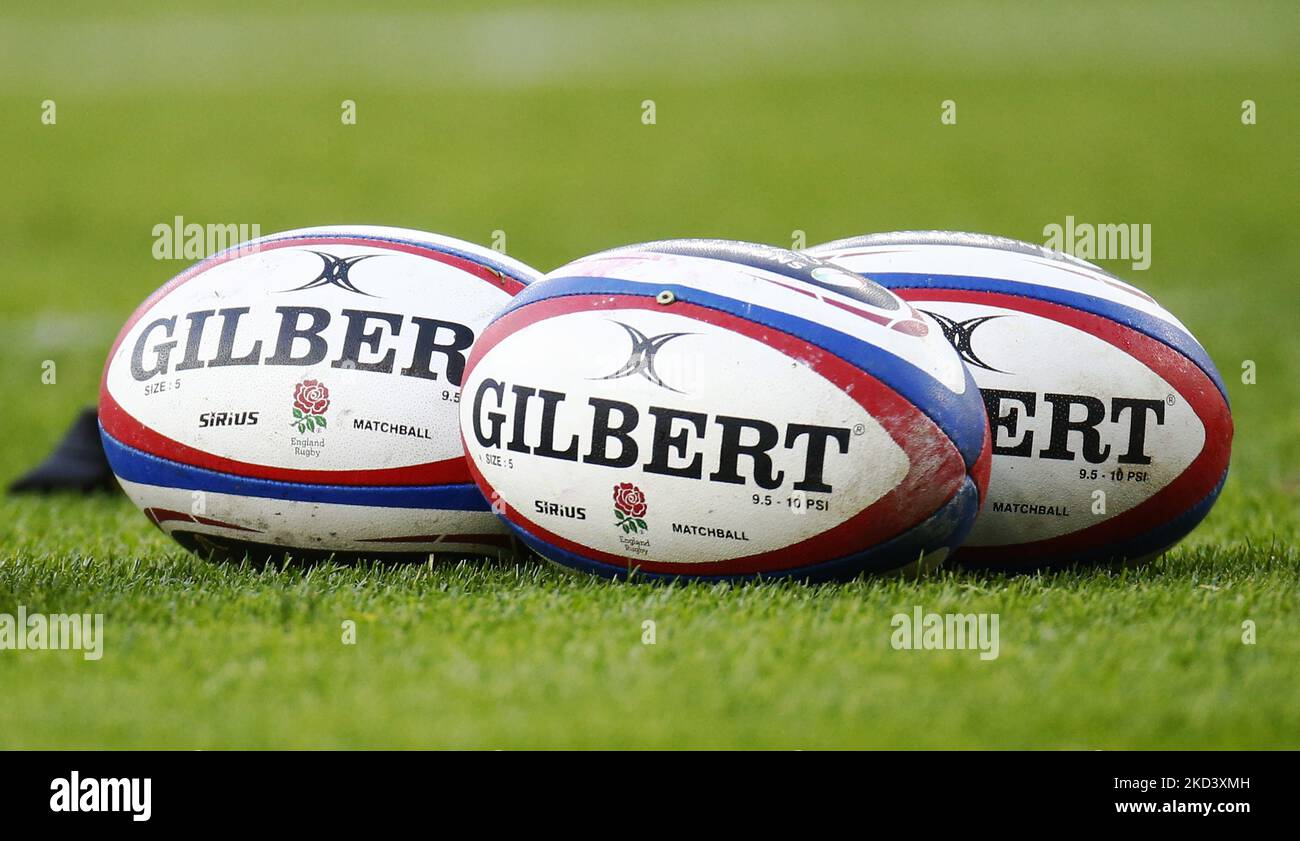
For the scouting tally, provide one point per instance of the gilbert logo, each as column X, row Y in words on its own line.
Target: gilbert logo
column 958, row 334
column 630, row 508
column 109, row 794
column 311, row 400
column 335, row 273
column 642, row 358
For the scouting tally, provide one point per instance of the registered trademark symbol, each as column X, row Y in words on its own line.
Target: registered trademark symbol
column 1169, row 399
column 858, row 429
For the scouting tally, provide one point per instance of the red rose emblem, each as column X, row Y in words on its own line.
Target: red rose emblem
column 629, row 500
column 311, row 398
column 629, row 508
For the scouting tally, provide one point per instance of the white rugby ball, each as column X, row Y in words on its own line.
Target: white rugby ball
column 1111, row 428
column 298, row 395
column 712, row 409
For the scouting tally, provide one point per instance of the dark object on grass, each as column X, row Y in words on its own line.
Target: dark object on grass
column 77, row 463
column 222, row 549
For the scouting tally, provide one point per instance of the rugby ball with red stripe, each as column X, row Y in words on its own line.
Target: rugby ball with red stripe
column 1111, row 427
column 298, row 394
column 712, row 409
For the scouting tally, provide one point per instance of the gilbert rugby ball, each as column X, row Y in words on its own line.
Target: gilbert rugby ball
column 1110, row 424
column 705, row 408
column 298, row 395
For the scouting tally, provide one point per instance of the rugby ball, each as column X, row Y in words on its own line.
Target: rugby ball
column 1111, row 428
column 712, row 409
column 297, row 395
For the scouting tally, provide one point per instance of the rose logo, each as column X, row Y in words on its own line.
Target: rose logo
column 311, row 399
column 629, row 508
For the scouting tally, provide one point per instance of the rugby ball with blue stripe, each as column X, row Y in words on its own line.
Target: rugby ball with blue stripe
column 298, row 395
column 1111, row 426
column 713, row 409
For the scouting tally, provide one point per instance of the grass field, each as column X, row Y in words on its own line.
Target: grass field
column 770, row 118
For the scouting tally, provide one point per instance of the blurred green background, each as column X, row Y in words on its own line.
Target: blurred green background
column 771, row 118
